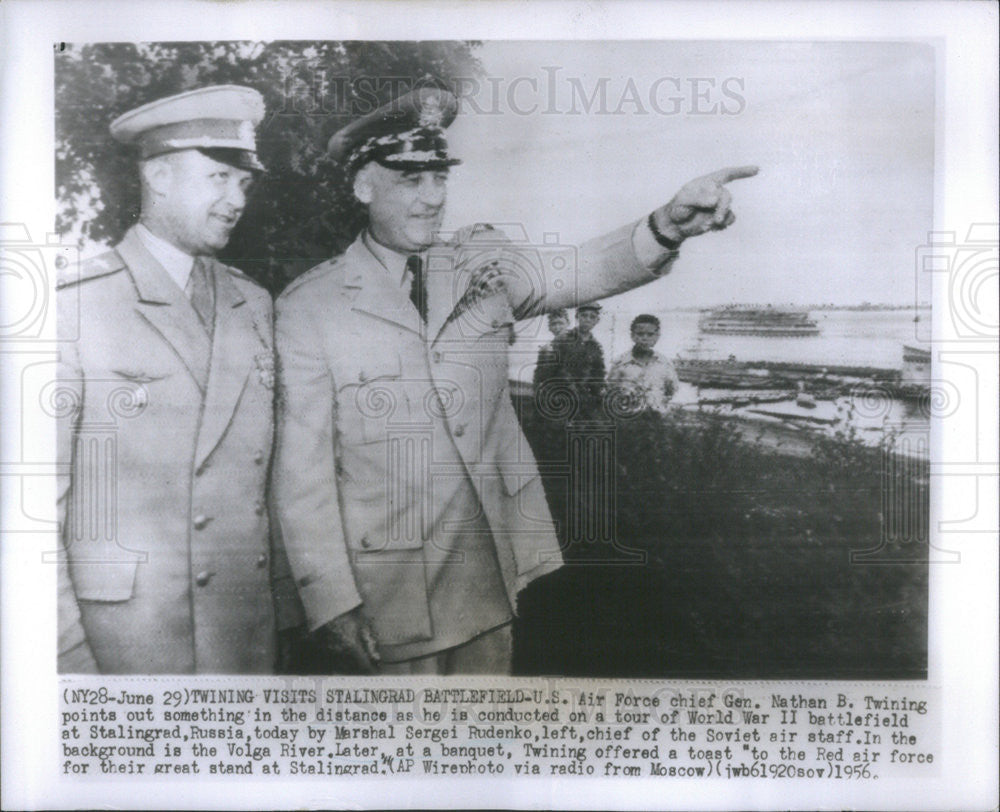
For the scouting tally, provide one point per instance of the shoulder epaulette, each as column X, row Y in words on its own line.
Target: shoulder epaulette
column 478, row 232
column 239, row 274
column 102, row 265
column 313, row 273
column 243, row 278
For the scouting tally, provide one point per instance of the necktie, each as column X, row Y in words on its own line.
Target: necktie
column 418, row 285
column 199, row 291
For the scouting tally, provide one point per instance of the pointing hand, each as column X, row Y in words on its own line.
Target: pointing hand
column 701, row 205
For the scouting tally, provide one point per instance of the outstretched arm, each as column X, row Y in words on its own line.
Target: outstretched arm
column 630, row 256
column 703, row 204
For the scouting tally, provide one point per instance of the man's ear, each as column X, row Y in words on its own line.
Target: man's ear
column 363, row 187
column 157, row 174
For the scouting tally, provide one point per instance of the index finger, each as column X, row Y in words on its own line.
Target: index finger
column 734, row 173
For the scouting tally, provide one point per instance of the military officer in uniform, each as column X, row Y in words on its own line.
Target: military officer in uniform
column 166, row 423
column 410, row 504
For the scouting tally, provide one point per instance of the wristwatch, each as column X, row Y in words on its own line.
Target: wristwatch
column 659, row 236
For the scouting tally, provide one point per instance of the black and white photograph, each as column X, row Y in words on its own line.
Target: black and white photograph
column 530, row 386
column 403, row 401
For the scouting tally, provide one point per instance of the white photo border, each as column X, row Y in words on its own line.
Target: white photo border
column 964, row 607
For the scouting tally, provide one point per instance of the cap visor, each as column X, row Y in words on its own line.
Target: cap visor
column 238, row 158
column 418, row 166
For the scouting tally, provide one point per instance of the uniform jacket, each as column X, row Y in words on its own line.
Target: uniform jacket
column 381, row 418
column 165, row 438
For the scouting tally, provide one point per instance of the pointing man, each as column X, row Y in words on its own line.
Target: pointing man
column 409, row 501
column 167, row 434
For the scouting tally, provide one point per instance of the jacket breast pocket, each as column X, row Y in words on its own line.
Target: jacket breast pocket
column 138, row 374
column 376, row 519
column 104, row 581
column 371, row 396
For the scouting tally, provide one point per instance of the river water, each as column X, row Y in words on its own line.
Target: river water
column 862, row 338
column 871, row 338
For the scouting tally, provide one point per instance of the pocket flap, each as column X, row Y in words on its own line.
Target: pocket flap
column 137, row 375
column 369, row 367
column 371, row 395
column 375, row 524
column 105, row 581
column 382, row 542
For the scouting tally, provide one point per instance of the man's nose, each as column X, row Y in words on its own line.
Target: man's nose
column 432, row 192
column 236, row 197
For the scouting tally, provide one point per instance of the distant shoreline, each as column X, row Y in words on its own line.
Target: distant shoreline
column 864, row 307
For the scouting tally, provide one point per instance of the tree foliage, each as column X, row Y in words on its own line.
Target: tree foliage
column 302, row 211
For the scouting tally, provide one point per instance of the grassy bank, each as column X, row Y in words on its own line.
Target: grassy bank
column 726, row 558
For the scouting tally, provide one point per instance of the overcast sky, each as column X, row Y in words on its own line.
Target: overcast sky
column 577, row 138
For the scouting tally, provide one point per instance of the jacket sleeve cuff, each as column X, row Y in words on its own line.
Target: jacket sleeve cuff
column 321, row 604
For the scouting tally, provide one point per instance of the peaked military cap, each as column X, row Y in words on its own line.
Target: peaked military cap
column 218, row 121
column 594, row 307
column 406, row 134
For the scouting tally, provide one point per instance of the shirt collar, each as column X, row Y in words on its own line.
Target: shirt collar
column 392, row 261
column 174, row 261
column 653, row 358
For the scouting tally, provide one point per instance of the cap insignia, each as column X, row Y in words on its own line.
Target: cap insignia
column 431, row 112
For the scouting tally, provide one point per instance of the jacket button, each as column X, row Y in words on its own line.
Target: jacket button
column 200, row 521
column 437, row 356
column 365, row 542
column 202, row 578
column 261, row 561
column 459, row 430
column 259, row 508
column 259, row 458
